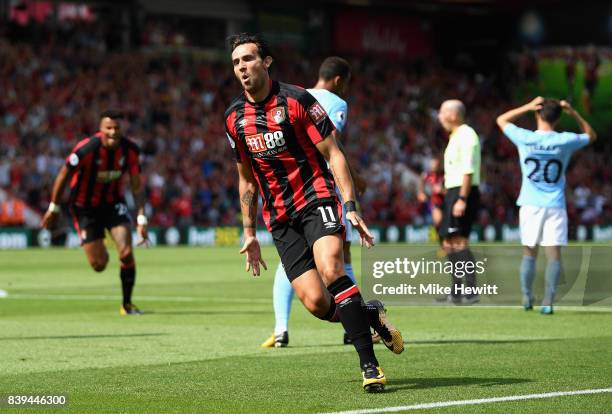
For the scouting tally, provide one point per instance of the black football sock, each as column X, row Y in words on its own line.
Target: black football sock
column 353, row 317
column 456, row 282
column 332, row 314
column 466, row 256
column 128, row 277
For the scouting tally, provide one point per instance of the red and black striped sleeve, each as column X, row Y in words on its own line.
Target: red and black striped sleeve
column 75, row 158
column 82, row 162
column 132, row 158
column 232, row 136
column 313, row 118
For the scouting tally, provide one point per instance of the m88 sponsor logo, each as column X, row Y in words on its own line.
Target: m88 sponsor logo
column 265, row 141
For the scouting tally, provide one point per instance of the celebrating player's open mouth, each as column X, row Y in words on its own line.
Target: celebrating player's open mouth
column 273, row 123
column 111, row 132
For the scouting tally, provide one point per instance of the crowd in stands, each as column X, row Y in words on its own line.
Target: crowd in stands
column 53, row 92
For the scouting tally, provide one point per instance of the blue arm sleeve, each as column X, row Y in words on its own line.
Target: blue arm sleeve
column 517, row 135
column 574, row 141
column 338, row 114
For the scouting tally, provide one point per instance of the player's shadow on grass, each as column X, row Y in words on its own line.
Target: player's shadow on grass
column 477, row 341
column 451, row 342
column 426, row 383
column 30, row 338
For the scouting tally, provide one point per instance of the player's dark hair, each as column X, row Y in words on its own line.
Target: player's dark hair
column 243, row 38
column 334, row 66
column 112, row 114
column 550, row 111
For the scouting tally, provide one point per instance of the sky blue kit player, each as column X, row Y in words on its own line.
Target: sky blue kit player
column 335, row 106
column 544, row 155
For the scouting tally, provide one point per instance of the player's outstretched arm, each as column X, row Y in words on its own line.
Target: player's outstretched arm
column 342, row 175
column 507, row 117
column 249, row 190
column 141, row 218
column 584, row 125
column 358, row 180
column 50, row 216
column 339, row 167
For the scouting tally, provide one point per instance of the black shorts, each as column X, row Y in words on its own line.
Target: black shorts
column 589, row 85
column 294, row 239
column 461, row 226
column 91, row 222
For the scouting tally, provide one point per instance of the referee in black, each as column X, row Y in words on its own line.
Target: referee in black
column 461, row 180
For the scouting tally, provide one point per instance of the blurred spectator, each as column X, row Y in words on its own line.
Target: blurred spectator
column 52, row 93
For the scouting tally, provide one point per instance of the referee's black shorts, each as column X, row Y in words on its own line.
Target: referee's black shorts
column 460, row 226
column 294, row 239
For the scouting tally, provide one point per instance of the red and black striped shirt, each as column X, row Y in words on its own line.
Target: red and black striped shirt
column 98, row 171
column 434, row 181
column 278, row 136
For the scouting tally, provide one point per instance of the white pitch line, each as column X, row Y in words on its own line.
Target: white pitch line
column 440, row 404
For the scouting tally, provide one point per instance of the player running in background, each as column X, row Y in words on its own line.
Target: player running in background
column 281, row 138
column 462, row 198
column 95, row 169
column 431, row 189
column 543, row 155
column 334, row 77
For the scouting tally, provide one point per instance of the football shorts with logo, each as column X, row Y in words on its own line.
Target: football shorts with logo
column 462, row 226
column 91, row 222
column 295, row 238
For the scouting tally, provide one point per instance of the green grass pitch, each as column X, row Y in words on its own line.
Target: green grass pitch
column 197, row 348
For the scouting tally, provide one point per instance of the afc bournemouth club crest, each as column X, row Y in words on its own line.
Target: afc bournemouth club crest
column 277, row 114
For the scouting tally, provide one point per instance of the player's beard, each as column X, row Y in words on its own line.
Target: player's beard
column 112, row 142
column 255, row 84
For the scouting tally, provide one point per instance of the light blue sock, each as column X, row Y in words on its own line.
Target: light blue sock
column 527, row 275
column 282, row 295
column 553, row 273
column 349, row 272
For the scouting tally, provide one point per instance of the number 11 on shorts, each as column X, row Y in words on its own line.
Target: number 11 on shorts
column 324, row 214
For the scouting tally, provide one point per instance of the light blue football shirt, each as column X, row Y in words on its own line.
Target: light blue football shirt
column 336, row 107
column 544, row 156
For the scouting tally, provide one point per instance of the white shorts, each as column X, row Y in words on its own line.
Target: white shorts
column 347, row 224
column 543, row 226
